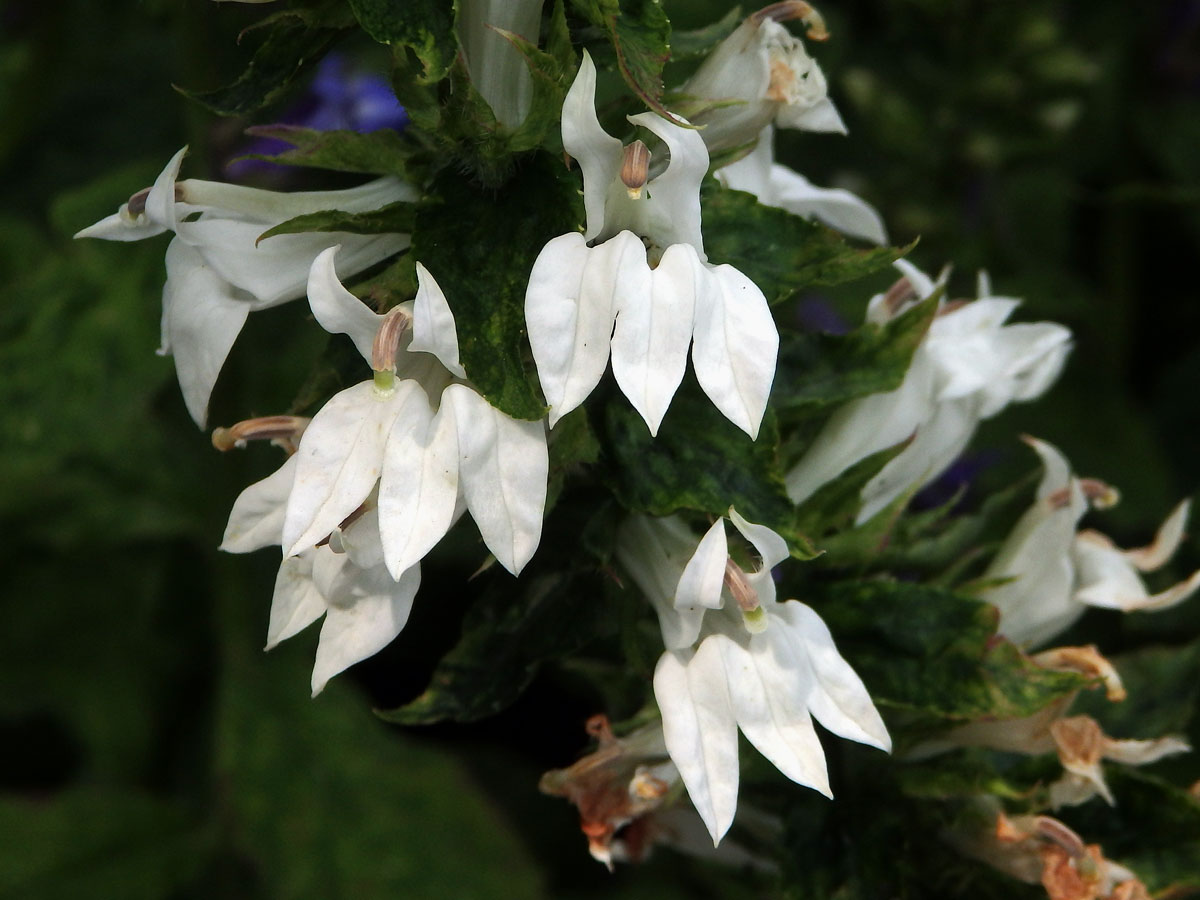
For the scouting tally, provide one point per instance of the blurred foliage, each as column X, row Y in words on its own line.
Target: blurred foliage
column 150, row 751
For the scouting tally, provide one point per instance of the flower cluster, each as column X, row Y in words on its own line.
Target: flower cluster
column 461, row 413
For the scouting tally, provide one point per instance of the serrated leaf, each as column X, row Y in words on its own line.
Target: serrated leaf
column 480, row 246
column 818, row 371
column 505, row 640
column 382, row 152
column 640, row 34
column 933, row 653
column 395, row 218
column 424, row 26
column 551, row 71
column 781, row 252
column 699, row 461
column 294, row 43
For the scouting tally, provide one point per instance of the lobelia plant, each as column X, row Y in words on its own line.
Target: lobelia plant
column 585, row 201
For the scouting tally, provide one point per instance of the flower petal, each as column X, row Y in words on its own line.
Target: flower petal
column 862, row 427
column 1166, row 540
column 503, row 466
column 938, row 442
column 838, row 698
column 673, row 197
column 653, row 333
column 772, row 550
column 256, row 520
column 736, row 345
column 704, row 575
column 433, row 323
column 654, row 551
column 296, row 603
column 419, row 487
column 700, row 731
column 573, row 294
column 340, row 458
column 202, row 316
column 598, row 153
column 336, row 309
column 367, row 609
column 769, row 703
column 276, row 270
column 1106, row 578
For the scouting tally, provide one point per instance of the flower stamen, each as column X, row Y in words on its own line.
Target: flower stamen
column 395, row 323
column 282, row 431
column 793, row 10
column 635, row 168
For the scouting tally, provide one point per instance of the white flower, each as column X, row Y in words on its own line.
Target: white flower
column 364, row 607
column 641, row 265
column 777, row 185
column 426, row 460
column 762, row 74
column 968, row 367
column 738, row 659
column 497, row 68
column 1057, row 573
column 217, row 272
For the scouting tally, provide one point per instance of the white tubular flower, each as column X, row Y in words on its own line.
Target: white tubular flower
column 762, row 74
column 217, row 272
column 641, row 265
column 776, row 185
column 752, row 663
column 429, row 463
column 968, row 367
column 497, row 68
column 1057, row 573
column 344, row 579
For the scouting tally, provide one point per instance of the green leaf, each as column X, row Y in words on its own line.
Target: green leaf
column 295, row 41
column 933, row 654
column 818, row 371
column 395, row 218
column 424, row 26
column 505, row 640
column 552, row 71
column 699, row 461
column 834, row 506
column 780, row 252
column 382, row 152
column 699, row 41
column 640, row 34
column 480, row 246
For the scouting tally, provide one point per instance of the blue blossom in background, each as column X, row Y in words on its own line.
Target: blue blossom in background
column 340, row 98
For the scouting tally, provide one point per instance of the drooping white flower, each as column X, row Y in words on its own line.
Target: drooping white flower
column 641, row 267
column 343, row 580
column 777, row 185
column 497, row 68
column 430, row 442
column 737, row 659
column 761, row 74
column 218, row 272
column 967, row 368
column 1056, row 572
